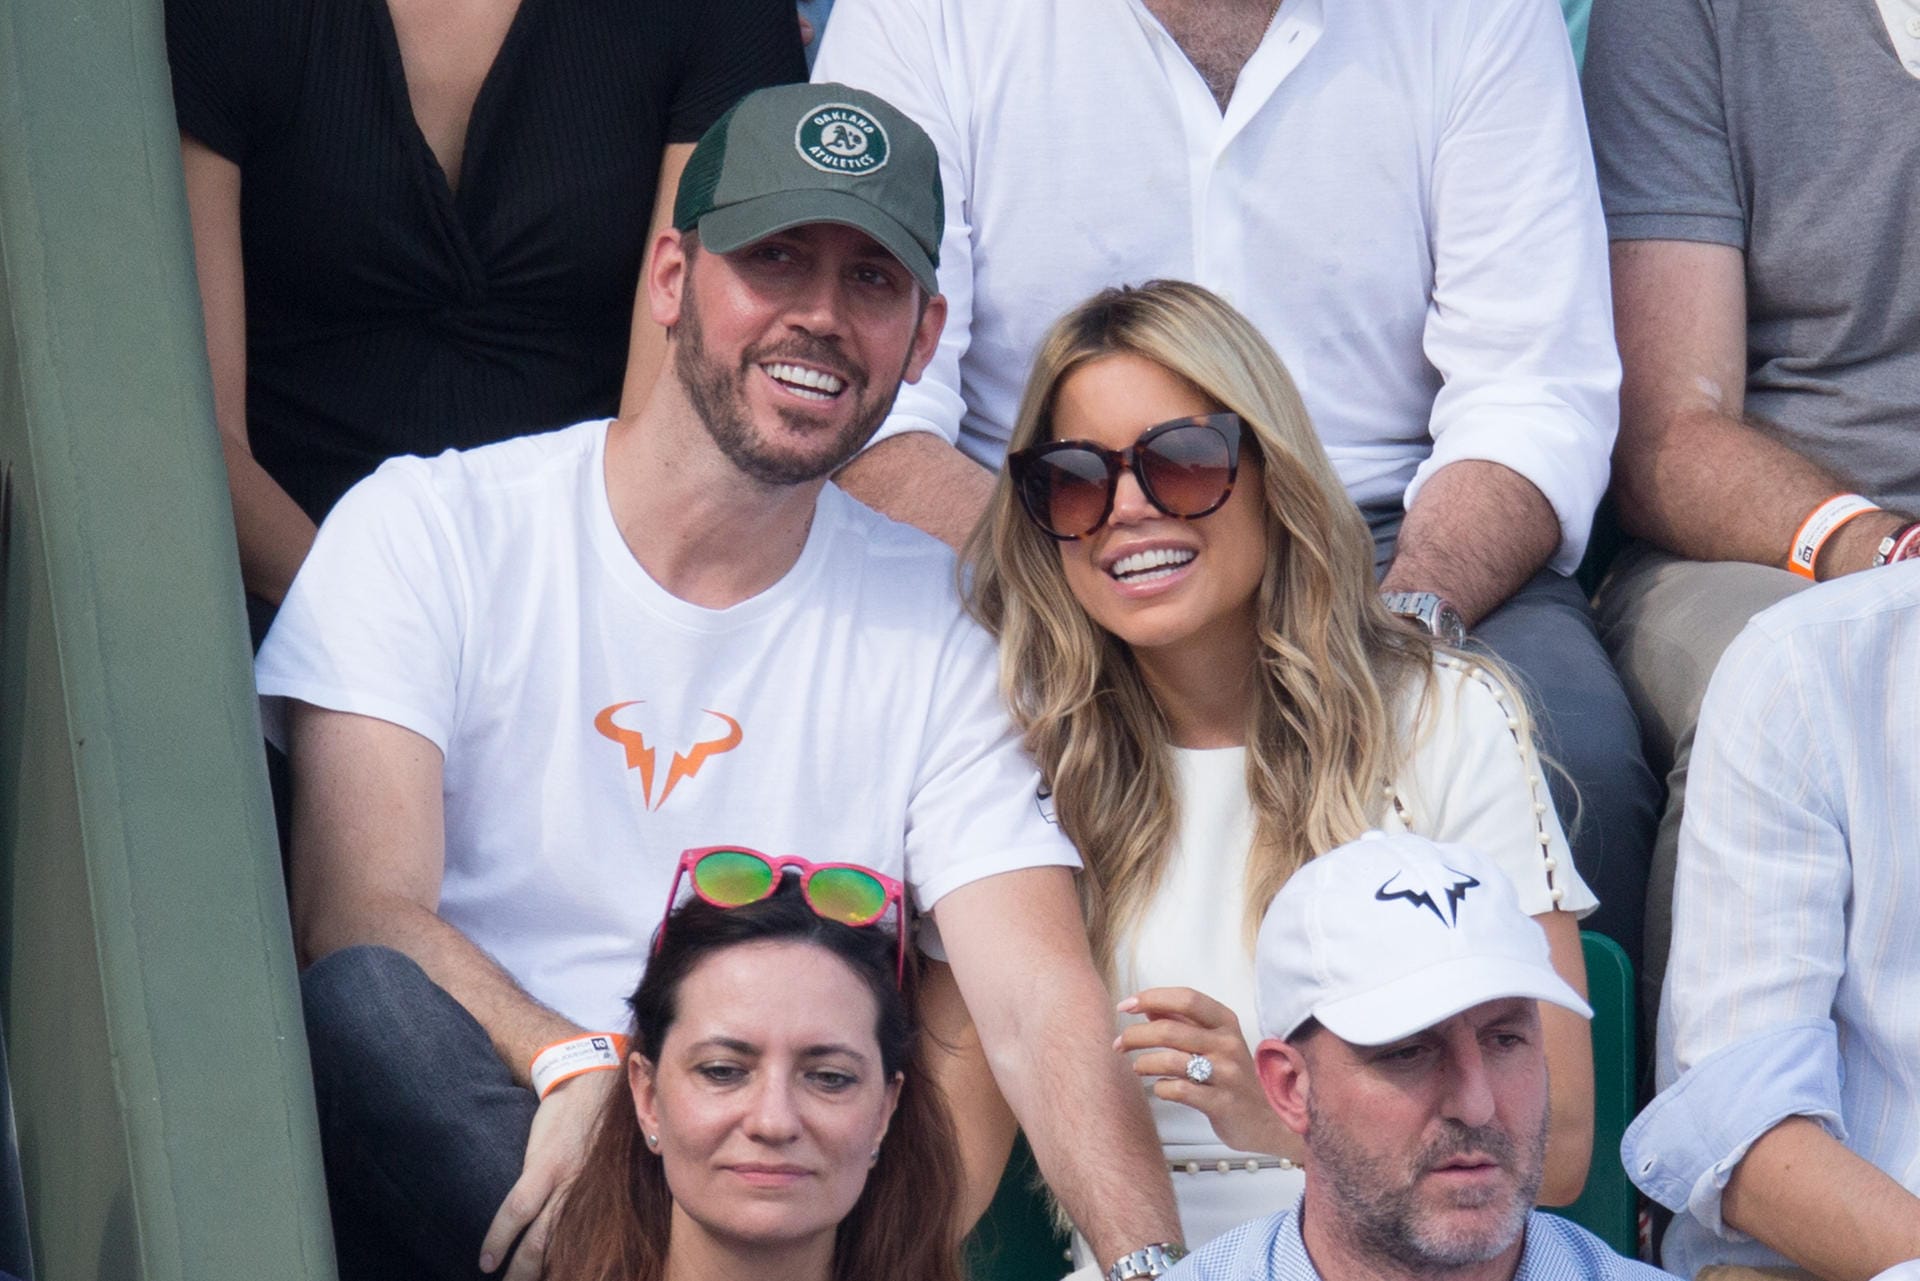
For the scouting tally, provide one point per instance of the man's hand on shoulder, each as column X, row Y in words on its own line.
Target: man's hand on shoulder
column 556, row 1150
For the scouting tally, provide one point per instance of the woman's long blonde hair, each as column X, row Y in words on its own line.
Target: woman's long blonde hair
column 1334, row 665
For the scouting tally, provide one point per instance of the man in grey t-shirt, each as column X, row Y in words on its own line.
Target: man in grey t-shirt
column 1759, row 187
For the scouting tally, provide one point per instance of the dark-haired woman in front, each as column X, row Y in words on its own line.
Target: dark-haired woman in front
column 779, row 1120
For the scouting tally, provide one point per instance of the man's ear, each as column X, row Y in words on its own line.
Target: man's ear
column 666, row 279
column 1285, row 1080
column 926, row 338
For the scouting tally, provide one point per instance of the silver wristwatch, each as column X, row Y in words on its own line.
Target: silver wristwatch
column 1431, row 611
column 1147, row 1261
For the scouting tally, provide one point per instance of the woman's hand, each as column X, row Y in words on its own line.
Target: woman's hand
column 1182, row 1023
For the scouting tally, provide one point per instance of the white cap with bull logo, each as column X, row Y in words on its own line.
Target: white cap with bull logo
column 1390, row 934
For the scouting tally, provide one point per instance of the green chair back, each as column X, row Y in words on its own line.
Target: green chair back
column 1017, row 1240
column 1609, row 1207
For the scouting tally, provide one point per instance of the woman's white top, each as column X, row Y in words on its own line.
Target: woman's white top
column 1470, row 777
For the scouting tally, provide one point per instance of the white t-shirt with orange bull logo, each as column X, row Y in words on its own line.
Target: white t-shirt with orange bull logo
column 594, row 725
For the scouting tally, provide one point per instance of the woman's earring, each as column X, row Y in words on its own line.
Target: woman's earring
column 653, row 1141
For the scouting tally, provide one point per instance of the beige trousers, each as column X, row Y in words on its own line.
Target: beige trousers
column 1665, row 622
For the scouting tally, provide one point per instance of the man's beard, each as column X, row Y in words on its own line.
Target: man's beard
column 1380, row 1209
column 718, row 396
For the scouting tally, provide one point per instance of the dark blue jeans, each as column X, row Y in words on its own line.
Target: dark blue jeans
column 422, row 1126
column 1608, row 800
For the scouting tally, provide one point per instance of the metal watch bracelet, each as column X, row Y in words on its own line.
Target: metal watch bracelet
column 1148, row 1261
column 1432, row 611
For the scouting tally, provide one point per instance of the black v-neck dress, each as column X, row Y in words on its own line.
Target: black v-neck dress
column 388, row 314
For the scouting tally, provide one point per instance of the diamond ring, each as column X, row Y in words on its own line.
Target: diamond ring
column 1199, row 1069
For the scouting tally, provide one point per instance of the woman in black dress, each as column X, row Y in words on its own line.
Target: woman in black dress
column 419, row 224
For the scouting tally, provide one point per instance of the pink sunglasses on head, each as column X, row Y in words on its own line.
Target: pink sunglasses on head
column 734, row 876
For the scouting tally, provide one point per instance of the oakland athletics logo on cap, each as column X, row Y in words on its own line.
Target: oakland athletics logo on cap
column 841, row 139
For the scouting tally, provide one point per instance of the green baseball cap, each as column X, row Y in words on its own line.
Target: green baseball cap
column 795, row 154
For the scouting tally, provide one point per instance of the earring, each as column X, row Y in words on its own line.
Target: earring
column 653, row 1140
column 873, row 1157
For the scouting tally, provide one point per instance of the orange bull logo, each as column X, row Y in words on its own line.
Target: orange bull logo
column 640, row 756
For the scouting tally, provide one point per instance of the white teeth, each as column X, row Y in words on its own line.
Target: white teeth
column 815, row 384
column 1154, row 563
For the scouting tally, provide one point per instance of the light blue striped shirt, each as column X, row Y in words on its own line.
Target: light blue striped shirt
column 1271, row 1249
column 1795, row 976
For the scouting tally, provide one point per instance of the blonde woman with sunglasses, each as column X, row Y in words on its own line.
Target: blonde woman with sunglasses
column 1193, row 643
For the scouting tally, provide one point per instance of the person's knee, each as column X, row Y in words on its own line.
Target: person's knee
column 1658, row 609
column 1666, row 622
column 337, row 987
column 362, row 1004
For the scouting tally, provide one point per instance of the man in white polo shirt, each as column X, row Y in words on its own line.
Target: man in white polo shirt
column 1399, row 193
column 517, row 682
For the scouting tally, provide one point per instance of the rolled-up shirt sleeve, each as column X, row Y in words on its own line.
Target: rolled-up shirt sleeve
column 1683, row 1149
column 1520, row 323
column 895, row 49
column 1761, row 894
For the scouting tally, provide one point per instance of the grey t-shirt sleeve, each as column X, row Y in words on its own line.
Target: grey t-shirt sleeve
column 1659, row 122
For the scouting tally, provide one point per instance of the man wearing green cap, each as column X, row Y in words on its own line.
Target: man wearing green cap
column 517, row 682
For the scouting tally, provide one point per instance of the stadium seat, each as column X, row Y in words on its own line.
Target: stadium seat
column 1017, row 1239
column 1610, row 1206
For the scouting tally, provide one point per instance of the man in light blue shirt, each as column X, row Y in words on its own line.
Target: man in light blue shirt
column 1398, row 986
column 1788, row 1123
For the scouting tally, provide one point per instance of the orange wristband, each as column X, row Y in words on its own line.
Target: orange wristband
column 564, row 1060
column 1820, row 525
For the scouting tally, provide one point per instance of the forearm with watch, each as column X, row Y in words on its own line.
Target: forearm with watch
column 1017, row 946
column 1114, row 1186
column 1476, row 533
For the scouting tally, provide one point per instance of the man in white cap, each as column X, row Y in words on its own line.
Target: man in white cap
column 1399, row 984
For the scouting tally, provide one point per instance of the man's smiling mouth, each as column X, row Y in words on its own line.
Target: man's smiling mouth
column 809, row 384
